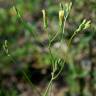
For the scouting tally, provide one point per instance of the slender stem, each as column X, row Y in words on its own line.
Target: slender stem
column 54, row 37
column 70, row 40
column 63, row 31
column 49, row 85
column 50, row 52
column 52, row 57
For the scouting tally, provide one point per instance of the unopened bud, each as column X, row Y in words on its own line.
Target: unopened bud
column 61, row 17
column 44, row 18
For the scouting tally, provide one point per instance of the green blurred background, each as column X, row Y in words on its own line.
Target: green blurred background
column 30, row 52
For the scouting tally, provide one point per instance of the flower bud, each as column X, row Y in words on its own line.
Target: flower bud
column 44, row 18
column 61, row 17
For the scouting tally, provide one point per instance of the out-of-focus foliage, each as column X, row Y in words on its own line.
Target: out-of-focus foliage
column 28, row 50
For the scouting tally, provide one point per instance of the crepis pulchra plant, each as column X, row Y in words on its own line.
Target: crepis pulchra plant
column 63, row 16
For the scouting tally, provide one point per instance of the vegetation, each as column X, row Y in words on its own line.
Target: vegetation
column 68, row 60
